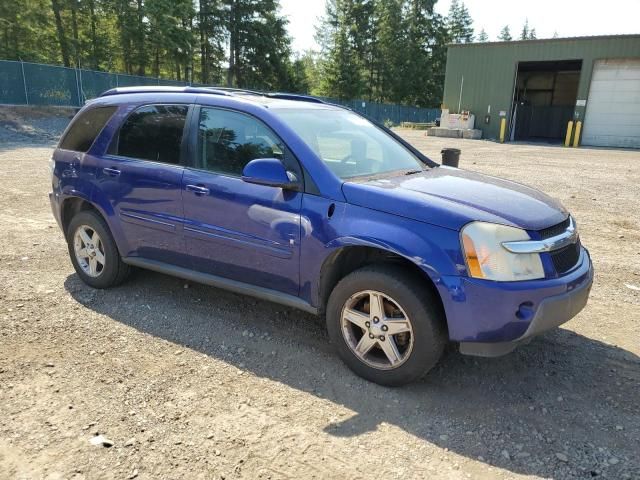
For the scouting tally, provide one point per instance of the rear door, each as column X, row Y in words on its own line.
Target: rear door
column 141, row 175
column 234, row 229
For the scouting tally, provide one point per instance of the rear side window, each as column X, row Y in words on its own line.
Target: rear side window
column 152, row 132
column 85, row 128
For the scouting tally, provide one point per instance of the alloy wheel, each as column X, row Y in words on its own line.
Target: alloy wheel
column 89, row 250
column 377, row 329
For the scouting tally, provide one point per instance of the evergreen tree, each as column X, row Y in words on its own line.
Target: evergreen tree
column 341, row 67
column 505, row 34
column 424, row 54
column 259, row 46
column 483, row 37
column 300, row 77
column 524, row 34
column 459, row 23
column 388, row 81
column 310, row 61
column 532, row 34
column 383, row 50
column 181, row 39
column 341, row 76
column 171, row 35
column 211, row 37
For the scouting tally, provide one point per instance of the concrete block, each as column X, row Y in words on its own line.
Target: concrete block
column 472, row 134
column 445, row 132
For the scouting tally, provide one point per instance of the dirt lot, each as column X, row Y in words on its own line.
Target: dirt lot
column 192, row 382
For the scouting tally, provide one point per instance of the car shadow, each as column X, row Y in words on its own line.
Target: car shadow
column 523, row 413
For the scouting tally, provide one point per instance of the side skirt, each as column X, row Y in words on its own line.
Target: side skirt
column 224, row 283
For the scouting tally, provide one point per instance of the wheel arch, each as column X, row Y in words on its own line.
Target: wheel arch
column 71, row 205
column 353, row 255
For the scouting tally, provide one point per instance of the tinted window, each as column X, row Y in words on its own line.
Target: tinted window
column 227, row 141
column 152, row 132
column 85, row 128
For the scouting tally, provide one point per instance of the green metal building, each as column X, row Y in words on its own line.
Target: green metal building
column 539, row 85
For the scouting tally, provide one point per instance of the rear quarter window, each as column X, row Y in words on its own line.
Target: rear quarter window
column 85, row 128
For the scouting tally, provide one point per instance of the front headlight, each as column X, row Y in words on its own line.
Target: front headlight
column 487, row 258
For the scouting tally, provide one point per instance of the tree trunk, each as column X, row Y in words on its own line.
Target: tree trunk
column 74, row 29
column 156, row 63
column 6, row 40
column 204, row 51
column 233, row 45
column 123, row 14
column 94, row 37
column 140, row 37
column 62, row 40
column 187, row 24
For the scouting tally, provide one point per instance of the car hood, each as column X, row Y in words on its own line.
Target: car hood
column 450, row 197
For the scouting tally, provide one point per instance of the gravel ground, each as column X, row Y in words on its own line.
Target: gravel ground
column 187, row 381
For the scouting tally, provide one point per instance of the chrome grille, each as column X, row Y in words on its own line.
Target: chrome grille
column 554, row 230
column 565, row 258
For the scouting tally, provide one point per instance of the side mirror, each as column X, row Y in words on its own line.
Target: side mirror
column 269, row 172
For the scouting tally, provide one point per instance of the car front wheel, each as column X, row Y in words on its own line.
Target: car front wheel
column 386, row 325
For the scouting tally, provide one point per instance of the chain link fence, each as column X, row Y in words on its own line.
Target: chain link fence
column 24, row 83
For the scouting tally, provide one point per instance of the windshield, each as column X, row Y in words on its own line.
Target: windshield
column 348, row 144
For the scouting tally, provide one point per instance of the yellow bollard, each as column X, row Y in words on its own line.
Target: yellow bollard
column 576, row 138
column 503, row 127
column 567, row 139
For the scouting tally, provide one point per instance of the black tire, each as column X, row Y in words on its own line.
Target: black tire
column 115, row 271
column 417, row 301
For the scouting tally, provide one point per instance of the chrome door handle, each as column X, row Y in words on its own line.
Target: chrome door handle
column 112, row 172
column 198, row 189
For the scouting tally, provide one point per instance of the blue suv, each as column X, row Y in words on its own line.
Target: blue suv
column 313, row 206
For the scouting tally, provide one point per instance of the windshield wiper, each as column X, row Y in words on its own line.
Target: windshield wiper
column 413, row 172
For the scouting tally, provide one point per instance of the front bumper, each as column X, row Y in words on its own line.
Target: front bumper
column 492, row 318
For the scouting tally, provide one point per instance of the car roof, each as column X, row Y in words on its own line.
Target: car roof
column 266, row 99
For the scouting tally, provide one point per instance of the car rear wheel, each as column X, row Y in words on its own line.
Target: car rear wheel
column 386, row 325
column 93, row 251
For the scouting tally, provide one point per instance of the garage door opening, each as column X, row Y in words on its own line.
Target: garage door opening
column 544, row 99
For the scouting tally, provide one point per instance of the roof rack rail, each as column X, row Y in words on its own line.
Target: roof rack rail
column 236, row 90
column 163, row 89
column 226, row 91
column 294, row 96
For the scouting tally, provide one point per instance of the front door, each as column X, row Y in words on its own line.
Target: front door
column 141, row 175
column 233, row 229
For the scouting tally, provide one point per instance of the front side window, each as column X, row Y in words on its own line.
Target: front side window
column 86, row 128
column 349, row 145
column 228, row 140
column 152, row 132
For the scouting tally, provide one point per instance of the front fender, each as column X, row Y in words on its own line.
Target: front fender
column 435, row 250
column 425, row 261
